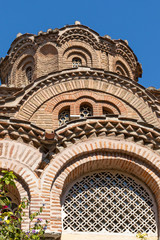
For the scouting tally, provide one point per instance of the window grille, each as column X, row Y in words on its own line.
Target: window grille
column 64, row 117
column 109, row 201
column 76, row 62
column 85, row 111
column 29, row 74
column 12, row 207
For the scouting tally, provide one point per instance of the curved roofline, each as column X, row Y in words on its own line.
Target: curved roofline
column 18, row 38
column 26, row 35
column 79, row 25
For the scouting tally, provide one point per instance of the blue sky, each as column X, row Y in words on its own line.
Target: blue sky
column 138, row 21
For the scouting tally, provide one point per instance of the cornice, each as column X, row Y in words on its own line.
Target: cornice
column 111, row 126
column 21, row 131
column 81, row 73
column 65, row 34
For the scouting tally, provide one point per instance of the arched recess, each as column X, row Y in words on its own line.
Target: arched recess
column 23, row 189
column 27, row 186
column 97, row 100
column 44, row 94
column 76, row 52
column 19, row 72
column 46, row 59
column 98, row 154
column 23, row 173
column 110, row 201
column 79, row 49
column 122, row 68
column 100, row 161
column 23, row 161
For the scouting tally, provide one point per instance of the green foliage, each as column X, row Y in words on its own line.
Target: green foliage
column 10, row 222
column 142, row 236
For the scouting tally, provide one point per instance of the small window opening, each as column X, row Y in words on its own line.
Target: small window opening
column 29, row 73
column 76, row 62
column 85, row 111
column 107, row 111
column 64, row 117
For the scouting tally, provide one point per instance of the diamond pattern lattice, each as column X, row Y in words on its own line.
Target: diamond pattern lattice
column 108, row 201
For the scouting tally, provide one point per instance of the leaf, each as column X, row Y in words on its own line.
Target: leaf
column 2, row 203
column 10, row 228
column 7, row 181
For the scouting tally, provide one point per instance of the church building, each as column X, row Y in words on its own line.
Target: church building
column 81, row 134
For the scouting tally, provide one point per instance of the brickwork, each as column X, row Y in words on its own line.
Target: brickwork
column 40, row 81
column 18, row 73
column 46, row 59
column 44, row 94
column 83, row 158
column 49, row 111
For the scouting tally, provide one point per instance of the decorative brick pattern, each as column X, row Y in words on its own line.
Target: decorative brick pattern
column 139, row 105
column 49, row 111
column 127, row 157
column 46, row 158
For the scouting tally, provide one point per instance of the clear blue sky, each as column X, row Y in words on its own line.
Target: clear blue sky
column 138, row 21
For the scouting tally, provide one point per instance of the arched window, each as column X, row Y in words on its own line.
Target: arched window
column 112, row 202
column 64, row 117
column 76, row 62
column 13, row 205
column 29, row 73
column 107, row 111
column 13, row 196
column 121, row 69
column 85, row 111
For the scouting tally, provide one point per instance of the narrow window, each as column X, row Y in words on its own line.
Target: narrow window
column 29, row 73
column 64, row 117
column 76, row 62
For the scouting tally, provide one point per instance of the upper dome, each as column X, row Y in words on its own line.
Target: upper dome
column 32, row 56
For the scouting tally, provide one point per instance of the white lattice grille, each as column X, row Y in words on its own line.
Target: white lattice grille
column 109, row 201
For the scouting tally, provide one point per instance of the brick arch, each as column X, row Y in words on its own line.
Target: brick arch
column 20, row 153
column 98, row 144
column 77, row 51
column 23, row 173
column 26, row 183
column 119, row 61
column 21, row 185
column 18, row 74
column 74, row 99
column 54, row 175
column 44, row 94
column 82, row 45
column 74, row 106
column 99, row 161
column 46, row 59
column 22, row 160
column 95, row 95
